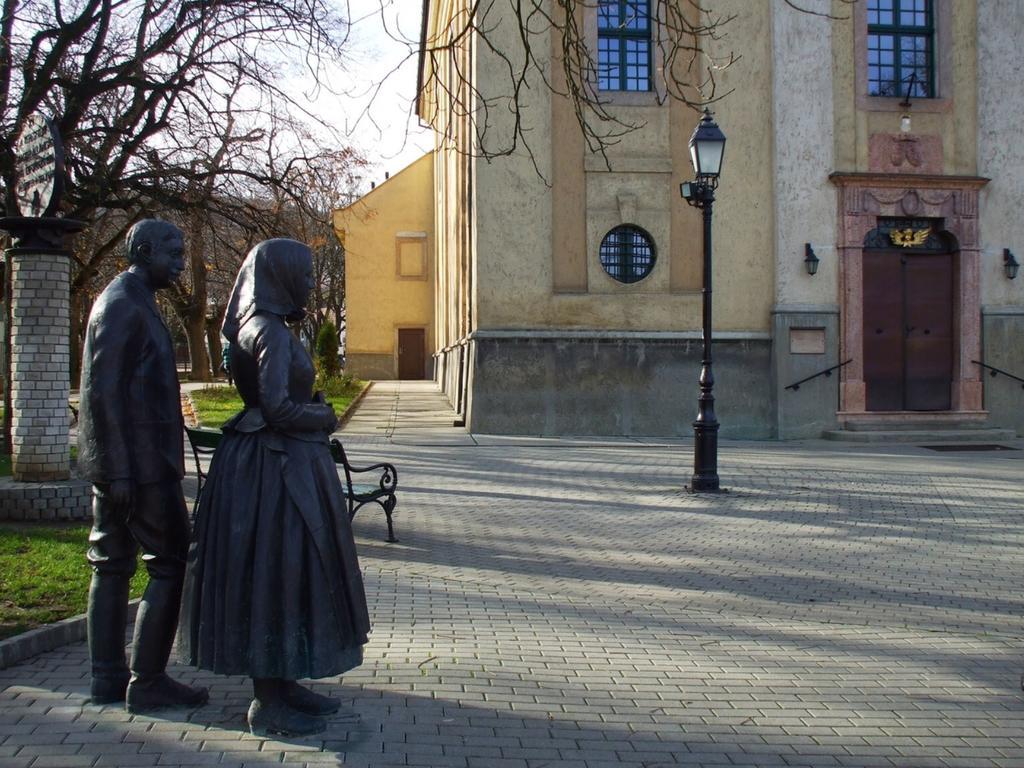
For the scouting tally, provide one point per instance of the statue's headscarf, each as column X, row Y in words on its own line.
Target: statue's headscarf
column 272, row 279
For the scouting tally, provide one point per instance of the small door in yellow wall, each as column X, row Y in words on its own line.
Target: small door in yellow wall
column 412, row 353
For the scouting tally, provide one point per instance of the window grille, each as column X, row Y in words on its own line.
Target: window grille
column 627, row 254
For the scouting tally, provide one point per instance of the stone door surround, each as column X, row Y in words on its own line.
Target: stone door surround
column 863, row 199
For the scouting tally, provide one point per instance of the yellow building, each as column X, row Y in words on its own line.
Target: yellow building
column 882, row 137
column 389, row 272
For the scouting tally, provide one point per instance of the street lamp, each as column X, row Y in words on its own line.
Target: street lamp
column 707, row 145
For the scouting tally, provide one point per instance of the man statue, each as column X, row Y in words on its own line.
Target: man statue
column 130, row 445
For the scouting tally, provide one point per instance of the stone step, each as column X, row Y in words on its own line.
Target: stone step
column 882, row 425
column 959, row 435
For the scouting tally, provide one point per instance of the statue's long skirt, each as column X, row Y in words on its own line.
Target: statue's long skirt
column 273, row 587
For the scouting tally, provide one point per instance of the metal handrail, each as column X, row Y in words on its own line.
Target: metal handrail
column 826, row 373
column 993, row 371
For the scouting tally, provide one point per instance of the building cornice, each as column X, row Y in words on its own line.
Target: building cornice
column 896, row 180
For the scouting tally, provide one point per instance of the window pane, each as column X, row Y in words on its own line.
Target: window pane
column 913, row 19
column 636, row 14
column 880, row 12
column 608, row 14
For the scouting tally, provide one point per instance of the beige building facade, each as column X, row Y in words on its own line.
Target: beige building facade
column 388, row 236
column 567, row 291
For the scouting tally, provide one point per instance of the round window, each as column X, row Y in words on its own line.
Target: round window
column 627, row 254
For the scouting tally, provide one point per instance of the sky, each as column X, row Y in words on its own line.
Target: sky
column 379, row 117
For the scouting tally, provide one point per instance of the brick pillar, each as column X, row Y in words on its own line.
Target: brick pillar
column 40, row 364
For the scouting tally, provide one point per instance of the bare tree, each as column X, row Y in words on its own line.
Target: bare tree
column 543, row 46
column 140, row 88
column 163, row 106
column 328, row 183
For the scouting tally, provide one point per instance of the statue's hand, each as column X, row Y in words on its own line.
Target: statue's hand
column 121, row 496
column 332, row 424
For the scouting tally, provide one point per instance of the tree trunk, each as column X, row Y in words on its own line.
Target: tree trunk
column 79, row 315
column 213, row 342
column 194, row 316
column 195, row 333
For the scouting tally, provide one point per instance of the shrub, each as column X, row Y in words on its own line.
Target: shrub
column 338, row 385
column 327, row 350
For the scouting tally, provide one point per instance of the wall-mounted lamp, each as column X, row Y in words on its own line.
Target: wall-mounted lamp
column 905, row 117
column 811, row 259
column 1010, row 264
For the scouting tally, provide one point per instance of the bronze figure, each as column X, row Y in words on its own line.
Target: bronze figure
column 130, row 445
column 273, row 589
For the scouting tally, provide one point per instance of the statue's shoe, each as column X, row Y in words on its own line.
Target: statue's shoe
column 307, row 701
column 148, row 694
column 278, row 719
column 108, row 690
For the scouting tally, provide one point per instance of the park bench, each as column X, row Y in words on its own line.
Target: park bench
column 381, row 489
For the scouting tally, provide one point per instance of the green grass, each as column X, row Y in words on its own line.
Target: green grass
column 44, row 576
column 216, row 404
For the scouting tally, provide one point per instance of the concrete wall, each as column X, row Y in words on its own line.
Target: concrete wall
column 805, row 341
column 1003, row 347
column 389, row 269
column 1000, row 94
column 537, row 271
column 806, row 310
column 615, row 384
column 1000, row 152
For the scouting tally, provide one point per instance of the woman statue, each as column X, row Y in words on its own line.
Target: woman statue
column 273, row 588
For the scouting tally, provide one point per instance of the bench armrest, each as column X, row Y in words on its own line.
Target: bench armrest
column 388, row 474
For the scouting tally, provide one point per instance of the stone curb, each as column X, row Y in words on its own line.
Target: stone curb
column 17, row 649
column 352, row 406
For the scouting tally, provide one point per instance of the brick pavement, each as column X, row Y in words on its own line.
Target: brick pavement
column 563, row 604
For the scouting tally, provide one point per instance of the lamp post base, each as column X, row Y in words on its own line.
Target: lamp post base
column 715, row 489
column 705, row 441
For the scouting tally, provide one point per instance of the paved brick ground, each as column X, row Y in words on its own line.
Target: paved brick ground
column 563, row 604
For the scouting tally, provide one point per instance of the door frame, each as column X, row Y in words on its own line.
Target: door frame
column 863, row 199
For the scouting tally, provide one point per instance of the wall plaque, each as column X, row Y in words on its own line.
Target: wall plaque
column 807, row 341
column 39, row 159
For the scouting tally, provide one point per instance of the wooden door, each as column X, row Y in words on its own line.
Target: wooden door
column 883, row 330
column 908, row 330
column 928, row 348
column 412, row 353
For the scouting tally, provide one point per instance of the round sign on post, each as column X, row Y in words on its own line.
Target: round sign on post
column 39, row 158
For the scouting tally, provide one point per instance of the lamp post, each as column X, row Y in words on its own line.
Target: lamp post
column 707, row 145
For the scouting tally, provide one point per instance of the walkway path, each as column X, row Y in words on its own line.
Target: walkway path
column 564, row 604
column 406, row 412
